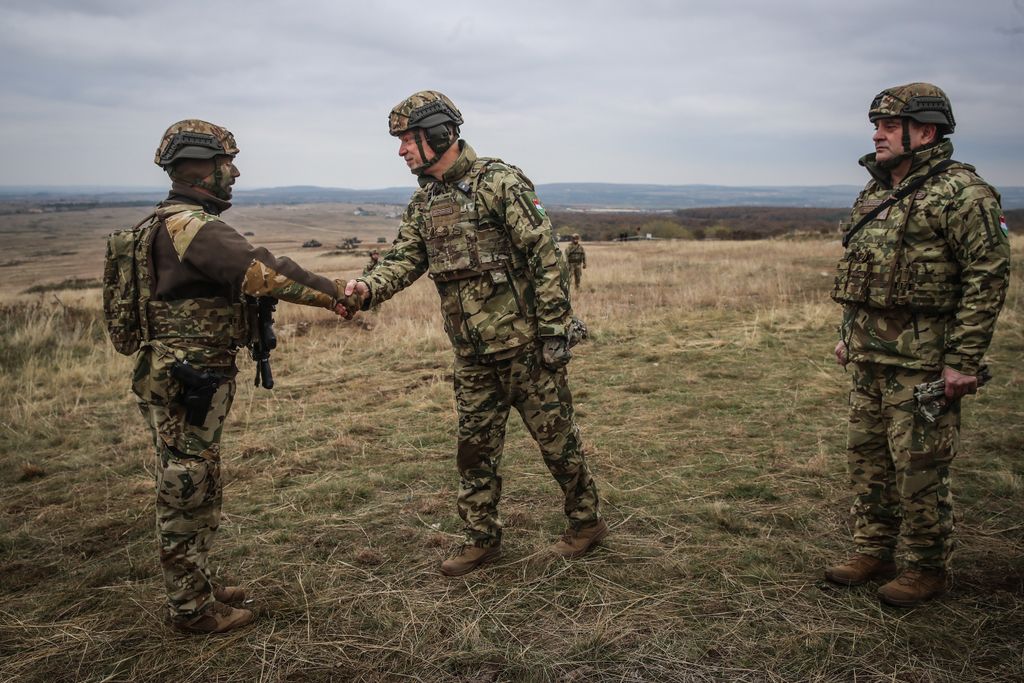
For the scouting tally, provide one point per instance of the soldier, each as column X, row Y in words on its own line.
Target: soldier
column 577, row 257
column 922, row 282
column 193, row 271
column 479, row 231
column 372, row 263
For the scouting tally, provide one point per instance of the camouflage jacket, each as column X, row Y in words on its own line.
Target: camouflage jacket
column 575, row 254
column 483, row 237
column 923, row 282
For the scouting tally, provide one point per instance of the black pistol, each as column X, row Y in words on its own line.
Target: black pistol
column 197, row 390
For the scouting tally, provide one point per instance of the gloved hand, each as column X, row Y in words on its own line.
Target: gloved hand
column 555, row 353
column 347, row 305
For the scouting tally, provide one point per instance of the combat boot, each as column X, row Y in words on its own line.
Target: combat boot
column 913, row 587
column 577, row 542
column 469, row 558
column 230, row 595
column 860, row 569
column 217, row 618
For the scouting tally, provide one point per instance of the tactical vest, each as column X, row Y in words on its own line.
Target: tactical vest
column 462, row 244
column 574, row 254
column 901, row 258
column 133, row 319
column 471, row 257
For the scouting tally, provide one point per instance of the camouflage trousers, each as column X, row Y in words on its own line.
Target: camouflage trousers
column 485, row 393
column 899, row 467
column 577, row 273
column 188, row 496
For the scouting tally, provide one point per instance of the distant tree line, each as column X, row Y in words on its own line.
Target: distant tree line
column 726, row 222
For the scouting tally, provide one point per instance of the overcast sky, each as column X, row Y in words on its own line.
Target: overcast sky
column 731, row 92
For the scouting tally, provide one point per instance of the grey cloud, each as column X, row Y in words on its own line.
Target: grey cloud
column 649, row 91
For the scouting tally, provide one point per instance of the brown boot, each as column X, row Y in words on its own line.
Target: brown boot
column 217, row 618
column 231, row 595
column 860, row 569
column 913, row 587
column 576, row 542
column 468, row 558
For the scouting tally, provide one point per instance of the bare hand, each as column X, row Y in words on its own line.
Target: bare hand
column 958, row 384
column 842, row 354
column 357, row 287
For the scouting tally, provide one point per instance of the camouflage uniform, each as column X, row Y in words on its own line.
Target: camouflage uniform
column 922, row 285
column 194, row 279
column 577, row 258
column 483, row 237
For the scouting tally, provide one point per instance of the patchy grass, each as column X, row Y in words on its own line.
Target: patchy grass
column 714, row 420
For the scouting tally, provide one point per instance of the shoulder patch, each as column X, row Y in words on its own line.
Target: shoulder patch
column 183, row 224
column 534, row 209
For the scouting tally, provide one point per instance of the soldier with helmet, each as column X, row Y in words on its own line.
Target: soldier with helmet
column 478, row 230
column 193, row 271
column 372, row 263
column 577, row 258
column 922, row 282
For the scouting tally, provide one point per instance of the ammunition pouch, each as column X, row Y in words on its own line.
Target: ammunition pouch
column 927, row 287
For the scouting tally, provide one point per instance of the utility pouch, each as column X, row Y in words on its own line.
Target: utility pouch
column 197, row 390
column 933, row 287
column 853, row 274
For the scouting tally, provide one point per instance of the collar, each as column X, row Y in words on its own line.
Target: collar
column 183, row 192
column 457, row 171
column 924, row 159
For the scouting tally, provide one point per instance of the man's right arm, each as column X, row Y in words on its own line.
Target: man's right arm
column 402, row 265
column 222, row 254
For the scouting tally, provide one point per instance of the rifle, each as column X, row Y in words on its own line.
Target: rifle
column 197, row 390
column 264, row 341
column 931, row 396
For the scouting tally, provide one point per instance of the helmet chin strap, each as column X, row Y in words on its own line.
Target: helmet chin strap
column 907, row 153
column 422, row 168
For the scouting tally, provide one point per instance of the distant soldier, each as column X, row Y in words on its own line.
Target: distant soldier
column 922, row 282
column 192, row 271
column 577, row 258
column 478, row 230
column 372, row 263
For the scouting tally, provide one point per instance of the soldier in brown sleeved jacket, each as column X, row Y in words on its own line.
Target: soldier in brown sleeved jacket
column 193, row 271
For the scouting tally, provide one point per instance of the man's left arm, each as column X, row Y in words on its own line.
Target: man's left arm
column 975, row 232
column 530, row 230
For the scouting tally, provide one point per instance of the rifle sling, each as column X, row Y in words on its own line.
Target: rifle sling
column 895, row 197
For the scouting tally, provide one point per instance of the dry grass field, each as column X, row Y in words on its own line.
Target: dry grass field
column 714, row 420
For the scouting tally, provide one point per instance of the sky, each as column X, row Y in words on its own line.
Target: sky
column 726, row 92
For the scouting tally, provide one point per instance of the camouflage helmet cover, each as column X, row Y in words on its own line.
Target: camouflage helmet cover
column 424, row 109
column 921, row 102
column 194, row 139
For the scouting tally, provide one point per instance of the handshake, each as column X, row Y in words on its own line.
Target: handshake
column 350, row 298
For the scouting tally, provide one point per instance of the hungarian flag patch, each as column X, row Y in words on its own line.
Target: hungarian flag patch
column 1002, row 224
column 535, row 209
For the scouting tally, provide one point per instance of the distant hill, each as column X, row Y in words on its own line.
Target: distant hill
column 587, row 196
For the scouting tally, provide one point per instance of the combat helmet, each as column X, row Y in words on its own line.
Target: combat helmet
column 193, row 139
column 435, row 114
column 921, row 102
